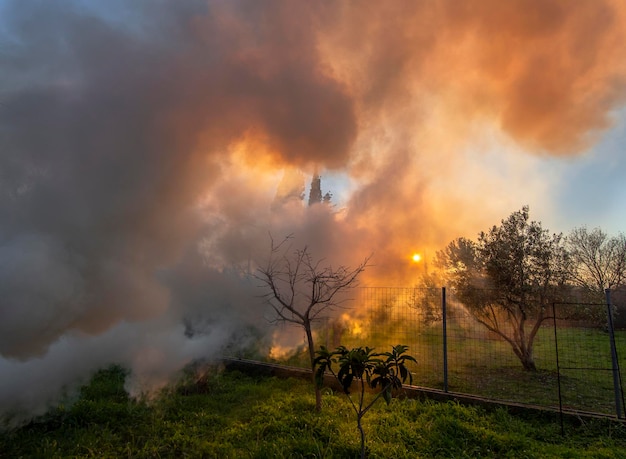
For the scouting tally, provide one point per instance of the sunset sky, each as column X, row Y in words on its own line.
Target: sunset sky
column 142, row 145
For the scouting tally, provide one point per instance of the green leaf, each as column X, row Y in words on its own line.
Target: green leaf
column 387, row 395
column 347, row 382
column 343, row 372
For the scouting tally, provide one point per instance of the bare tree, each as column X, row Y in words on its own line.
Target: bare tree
column 301, row 290
column 597, row 261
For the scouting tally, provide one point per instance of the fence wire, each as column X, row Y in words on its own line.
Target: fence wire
column 589, row 358
column 572, row 352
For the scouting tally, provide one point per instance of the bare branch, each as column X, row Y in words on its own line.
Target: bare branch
column 299, row 288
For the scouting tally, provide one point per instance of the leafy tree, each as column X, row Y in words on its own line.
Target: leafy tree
column 509, row 278
column 315, row 193
column 598, row 262
column 426, row 297
column 327, row 198
column 384, row 371
column 301, row 290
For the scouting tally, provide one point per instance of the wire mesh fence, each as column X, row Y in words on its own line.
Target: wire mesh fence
column 587, row 349
column 576, row 365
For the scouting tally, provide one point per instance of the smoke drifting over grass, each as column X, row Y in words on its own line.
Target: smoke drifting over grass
column 142, row 144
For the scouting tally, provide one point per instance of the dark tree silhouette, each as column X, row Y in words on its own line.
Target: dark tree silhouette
column 302, row 290
column 597, row 261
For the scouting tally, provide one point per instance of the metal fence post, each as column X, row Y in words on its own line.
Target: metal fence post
column 445, row 339
column 558, row 368
column 615, row 366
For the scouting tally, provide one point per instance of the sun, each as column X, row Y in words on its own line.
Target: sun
column 416, row 257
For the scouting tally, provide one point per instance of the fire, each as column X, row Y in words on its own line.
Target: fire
column 354, row 326
column 279, row 352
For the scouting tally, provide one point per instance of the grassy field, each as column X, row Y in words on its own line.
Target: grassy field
column 232, row 415
column 480, row 363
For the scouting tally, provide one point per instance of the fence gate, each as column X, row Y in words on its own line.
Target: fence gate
column 588, row 360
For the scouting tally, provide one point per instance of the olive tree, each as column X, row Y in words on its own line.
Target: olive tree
column 509, row 278
column 301, row 290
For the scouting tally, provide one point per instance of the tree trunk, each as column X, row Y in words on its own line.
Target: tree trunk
column 362, row 432
column 311, row 344
column 528, row 361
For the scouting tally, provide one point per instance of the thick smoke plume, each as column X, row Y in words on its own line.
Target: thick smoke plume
column 142, row 145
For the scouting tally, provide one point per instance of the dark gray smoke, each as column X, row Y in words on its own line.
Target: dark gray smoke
column 114, row 124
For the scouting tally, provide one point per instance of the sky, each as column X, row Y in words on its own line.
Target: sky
column 143, row 144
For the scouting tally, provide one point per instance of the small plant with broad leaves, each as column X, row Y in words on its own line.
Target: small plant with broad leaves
column 384, row 371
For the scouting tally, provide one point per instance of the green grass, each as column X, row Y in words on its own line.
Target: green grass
column 480, row 363
column 232, row 415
